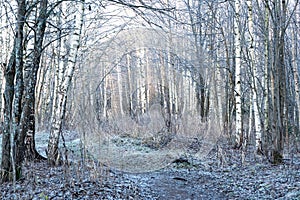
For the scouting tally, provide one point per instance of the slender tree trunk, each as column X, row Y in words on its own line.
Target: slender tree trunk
column 266, row 82
column 130, row 87
column 62, row 92
column 3, row 60
column 253, row 66
column 238, row 66
column 164, row 92
column 141, row 89
column 295, row 67
column 200, row 86
column 104, row 91
column 120, row 89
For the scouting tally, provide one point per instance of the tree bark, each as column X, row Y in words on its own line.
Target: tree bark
column 30, row 74
column 11, row 141
column 238, row 66
column 254, row 81
column 279, row 109
column 62, row 91
column 6, row 164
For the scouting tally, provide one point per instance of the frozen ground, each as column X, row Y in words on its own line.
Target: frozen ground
column 178, row 176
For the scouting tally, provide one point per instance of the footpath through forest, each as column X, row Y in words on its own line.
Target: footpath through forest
column 183, row 178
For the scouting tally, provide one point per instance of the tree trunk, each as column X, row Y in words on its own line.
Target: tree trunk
column 62, row 91
column 266, row 127
column 295, row 67
column 129, row 83
column 254, row 81
column 164, row 93
column 3, row 61
column 279, row 109
column 120, row 89
column 201, row 98
column 12, row 138
column 30, row 74
column 6, row 165
column 238, row 66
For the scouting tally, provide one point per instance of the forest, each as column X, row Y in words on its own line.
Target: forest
column 149, row 99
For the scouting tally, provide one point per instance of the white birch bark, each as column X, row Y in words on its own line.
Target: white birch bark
column 170, row 72
column 141, row 81
column 218, row 95
column 254, row 82
column 120, row 89
column 64, row 85
column 238, row 66
column 61, row 53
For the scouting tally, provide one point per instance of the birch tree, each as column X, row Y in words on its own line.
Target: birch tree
column 254, row 81
column 62, row 89
column 120, row 89
column 238, row 66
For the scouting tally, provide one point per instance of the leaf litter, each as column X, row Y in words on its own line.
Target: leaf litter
column 184, row 177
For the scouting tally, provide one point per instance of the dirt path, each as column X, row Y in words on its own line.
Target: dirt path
column 179, row 184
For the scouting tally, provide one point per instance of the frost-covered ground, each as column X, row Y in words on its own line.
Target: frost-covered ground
column 215, row 176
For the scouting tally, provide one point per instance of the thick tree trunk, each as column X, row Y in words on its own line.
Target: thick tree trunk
column 30, row 73
column 6, row 165
column 11, row 161
column 279, row 109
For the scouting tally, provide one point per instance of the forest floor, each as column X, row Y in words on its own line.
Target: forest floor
column 217, row 175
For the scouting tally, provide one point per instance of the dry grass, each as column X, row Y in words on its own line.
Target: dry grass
column 136, row 145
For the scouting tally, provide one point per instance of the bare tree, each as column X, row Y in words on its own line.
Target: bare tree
column 64, row 83
column 238, row 66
